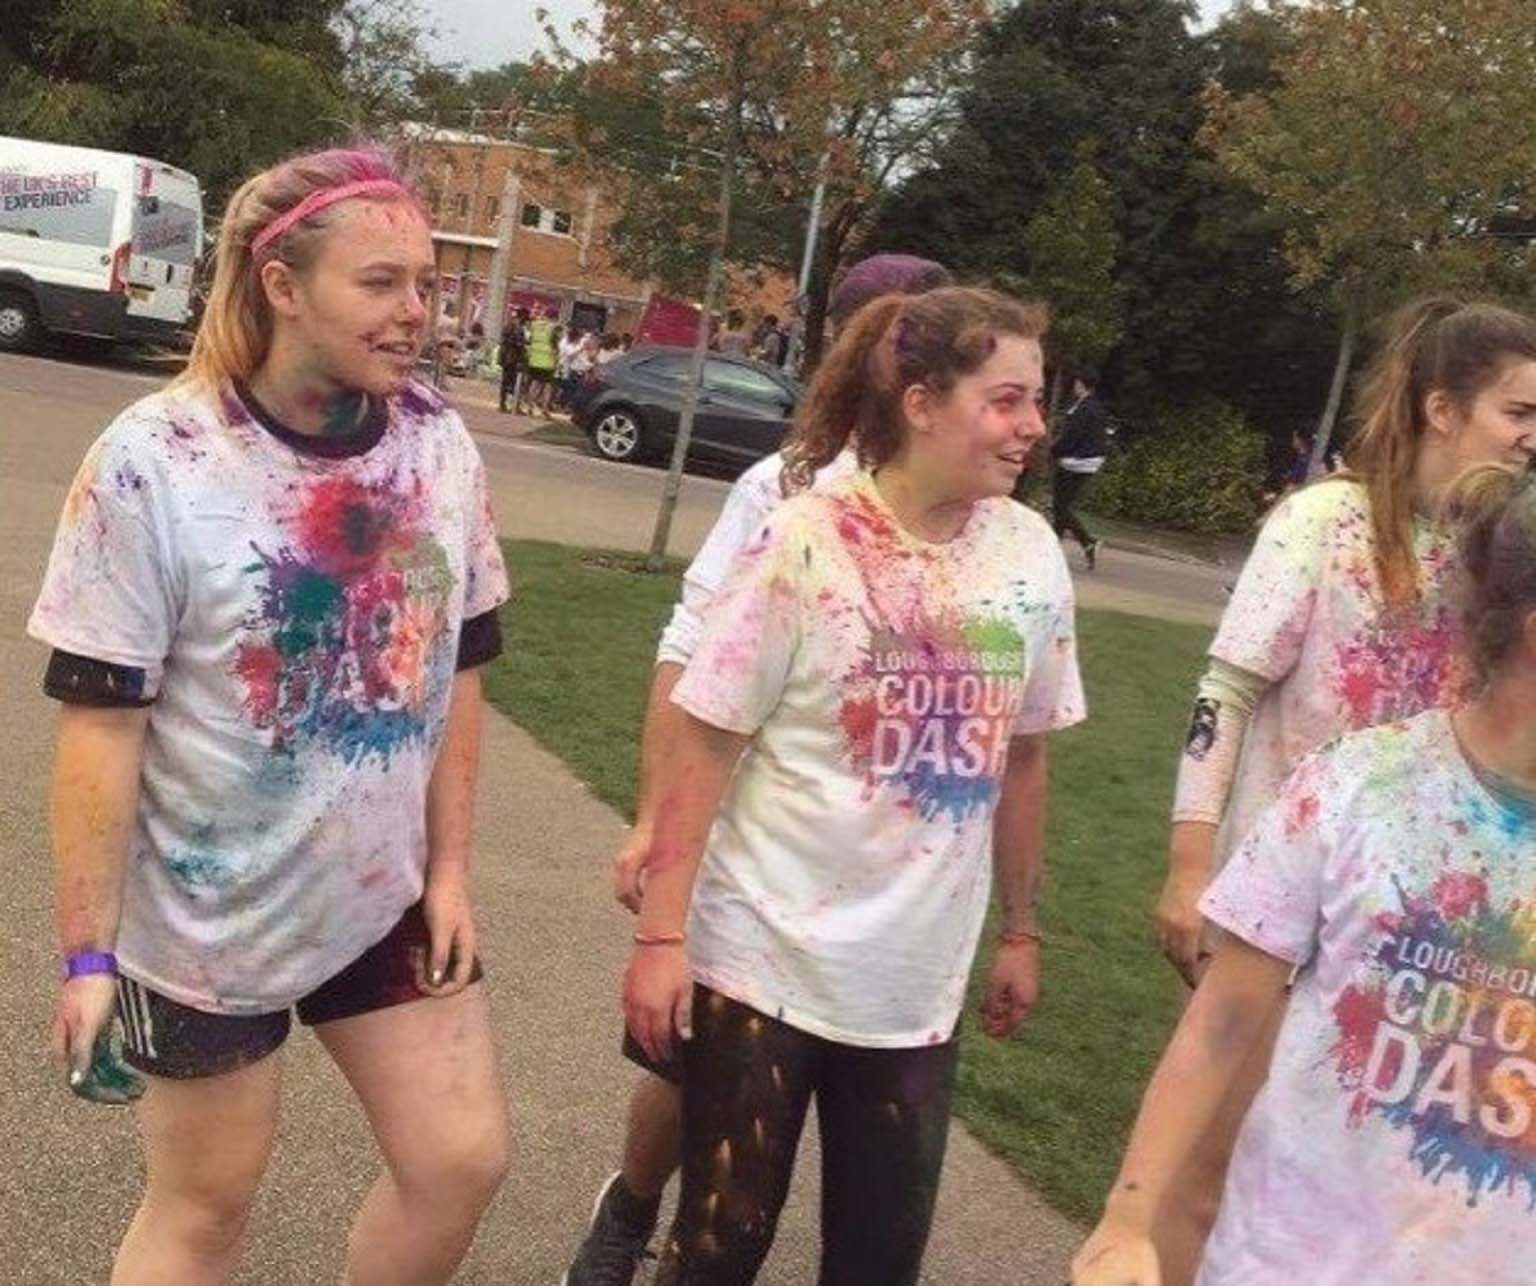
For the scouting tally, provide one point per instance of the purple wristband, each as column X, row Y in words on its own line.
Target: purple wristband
column 85, row 962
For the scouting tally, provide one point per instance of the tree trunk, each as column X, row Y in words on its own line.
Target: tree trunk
column 674, row 483
column 1325, row 426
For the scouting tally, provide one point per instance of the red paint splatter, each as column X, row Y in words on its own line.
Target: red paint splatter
column 1459, row 893
column 258, row 666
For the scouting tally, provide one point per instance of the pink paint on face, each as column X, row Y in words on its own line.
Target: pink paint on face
column 985, row 429
column 366, row 297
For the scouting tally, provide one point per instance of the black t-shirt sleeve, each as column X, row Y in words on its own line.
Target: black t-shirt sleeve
column 85, row 681
column 479, row 640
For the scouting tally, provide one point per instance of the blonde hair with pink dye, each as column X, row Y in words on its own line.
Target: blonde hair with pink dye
column 236, row 330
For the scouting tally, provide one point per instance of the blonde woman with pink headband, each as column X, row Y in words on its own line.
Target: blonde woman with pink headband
column 271, row 589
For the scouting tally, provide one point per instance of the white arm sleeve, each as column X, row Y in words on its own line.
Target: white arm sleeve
column 1224, row 704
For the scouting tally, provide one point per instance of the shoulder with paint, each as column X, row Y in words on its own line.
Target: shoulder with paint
column 1338, row 502
column 165, row 430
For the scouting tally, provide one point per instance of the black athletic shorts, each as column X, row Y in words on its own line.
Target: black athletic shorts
column 165, row 1038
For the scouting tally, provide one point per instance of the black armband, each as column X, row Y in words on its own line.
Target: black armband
column 85, row 681
column 479, row 640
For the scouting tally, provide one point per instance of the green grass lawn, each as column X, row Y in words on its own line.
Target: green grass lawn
column 1056, row 1101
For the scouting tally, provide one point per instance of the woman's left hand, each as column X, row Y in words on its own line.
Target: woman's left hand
column 1012, row 989
column 450, row 957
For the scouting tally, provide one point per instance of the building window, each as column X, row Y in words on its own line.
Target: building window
column 541, row 218
column 434, row 201
column 463, row 203
column 492, row 207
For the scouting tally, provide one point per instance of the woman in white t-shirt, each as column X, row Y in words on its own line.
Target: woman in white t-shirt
column 270, row 589
column 1339, row 621
column 868, row 710
column 1394, row 880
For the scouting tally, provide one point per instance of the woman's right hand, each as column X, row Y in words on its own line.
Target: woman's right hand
column 84, row 1009
column 658, row 997
column 1116, row 1256
column 1180, row 926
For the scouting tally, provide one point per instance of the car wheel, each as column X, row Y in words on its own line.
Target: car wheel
column 618, row 434
column 19, row 326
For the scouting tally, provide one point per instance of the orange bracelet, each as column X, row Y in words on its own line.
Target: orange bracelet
column 675, row 938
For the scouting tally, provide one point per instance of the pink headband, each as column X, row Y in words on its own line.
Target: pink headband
column 318, row 201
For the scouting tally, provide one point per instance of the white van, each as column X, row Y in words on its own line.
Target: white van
column 94, row 243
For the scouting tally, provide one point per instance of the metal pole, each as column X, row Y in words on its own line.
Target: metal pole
column 812, row 231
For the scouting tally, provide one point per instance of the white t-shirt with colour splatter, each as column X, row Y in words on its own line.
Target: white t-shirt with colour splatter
column 1309, row 615
column 1395, row 1139
column 881, row 677
column 297, row 621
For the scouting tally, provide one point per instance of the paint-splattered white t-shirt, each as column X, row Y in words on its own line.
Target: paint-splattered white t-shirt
column 847, row 874
column 296, row 620
column 1395, row 1140
column 1308, row 614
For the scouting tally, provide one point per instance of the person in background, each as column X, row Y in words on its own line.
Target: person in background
column 1079, row 451
column 626, row 341
column 513, row 357
column 734, row 339
column 1379, row 915
column 565, row 379
column 608, row 349
column 625, row 1214
column 543, row 353
column 1343, row 618
column 772, row 343
column 272, row 588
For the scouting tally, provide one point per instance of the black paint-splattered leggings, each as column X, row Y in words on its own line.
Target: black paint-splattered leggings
column 883, row 1116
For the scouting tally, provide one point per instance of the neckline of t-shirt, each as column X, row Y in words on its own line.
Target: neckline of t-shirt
column 865, row 479
column 339, row 446
column 1495, row 785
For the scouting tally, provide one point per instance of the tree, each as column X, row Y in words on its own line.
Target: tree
column 1205, row 305
column 218, row 87
column 1386, row 148
column 1072, row 245
column 751, row 87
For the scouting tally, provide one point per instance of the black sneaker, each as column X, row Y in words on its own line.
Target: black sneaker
column 616, row 1239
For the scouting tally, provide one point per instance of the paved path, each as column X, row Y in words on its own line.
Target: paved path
column 552, row 942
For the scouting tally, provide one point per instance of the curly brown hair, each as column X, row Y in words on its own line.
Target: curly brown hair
column 891, row 344
column 1493, row 510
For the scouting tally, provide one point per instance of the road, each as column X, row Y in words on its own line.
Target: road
column 551, row 938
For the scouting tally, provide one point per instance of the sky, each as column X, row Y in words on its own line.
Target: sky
column 487, row 33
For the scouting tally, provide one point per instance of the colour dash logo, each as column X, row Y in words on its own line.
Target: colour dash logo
column 930, row 711
column 351, row 624
column 1439, row 1035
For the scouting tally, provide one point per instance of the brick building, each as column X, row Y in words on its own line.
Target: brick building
column 559, row 257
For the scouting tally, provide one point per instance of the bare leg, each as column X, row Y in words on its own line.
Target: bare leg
column 652, row 1148
column 428, row 1078
column 206, row 1144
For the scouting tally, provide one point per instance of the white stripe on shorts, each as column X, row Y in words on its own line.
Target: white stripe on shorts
column 138, row 1025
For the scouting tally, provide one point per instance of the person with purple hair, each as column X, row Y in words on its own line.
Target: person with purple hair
column 626, row 1210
